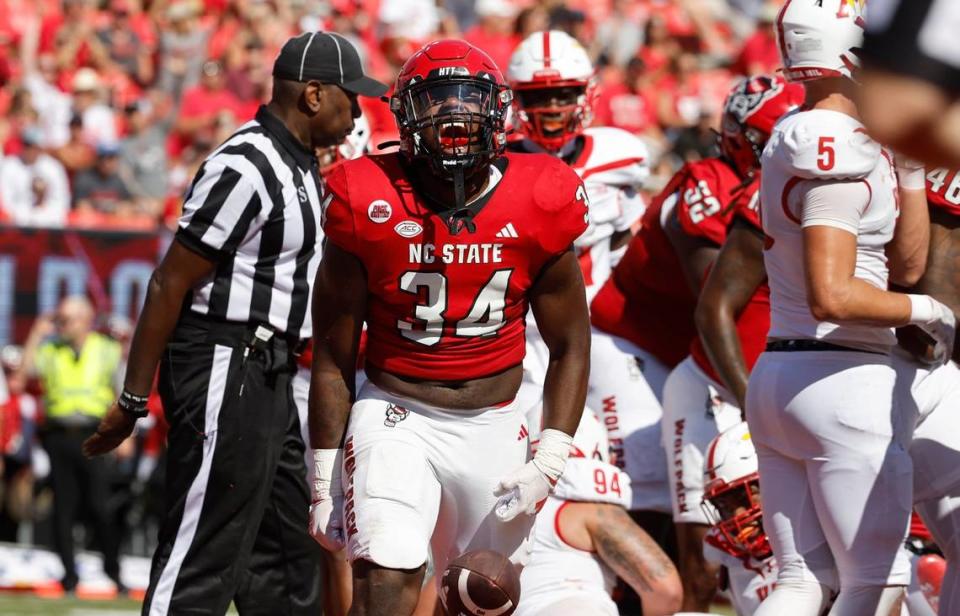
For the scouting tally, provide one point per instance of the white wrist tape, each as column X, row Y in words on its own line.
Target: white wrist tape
column 552, row 453
column 912, row 178
column 922, row 309
column 326, row 473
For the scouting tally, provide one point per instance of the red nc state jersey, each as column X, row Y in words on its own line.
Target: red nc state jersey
column 647, row 299
column 753, row 321
column 443, row 306
column 943, row 190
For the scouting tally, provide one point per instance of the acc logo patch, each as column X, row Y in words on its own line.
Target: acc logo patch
column 379, row 211
column 394, row 415
column 408, row 228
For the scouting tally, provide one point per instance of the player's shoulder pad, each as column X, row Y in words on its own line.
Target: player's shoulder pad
column 822, row 144
column 554, row 183
column 588, row 480
column 617, row 158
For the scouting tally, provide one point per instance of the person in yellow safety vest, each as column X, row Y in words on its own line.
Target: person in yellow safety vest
column 77, row 369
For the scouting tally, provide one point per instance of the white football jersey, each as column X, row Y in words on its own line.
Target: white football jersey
column 556, row 569
column 614, row 165
column 810, row 154
column 750, row 580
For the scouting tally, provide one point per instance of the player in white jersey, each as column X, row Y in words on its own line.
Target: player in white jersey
column 554, row 87
column 830, row 443
column 583, row 539
column 737, row 540
column 731, row 502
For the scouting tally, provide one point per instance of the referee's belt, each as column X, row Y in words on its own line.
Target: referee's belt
column 786, row 346
column 258, row 336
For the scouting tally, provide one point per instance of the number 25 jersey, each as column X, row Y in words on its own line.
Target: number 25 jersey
column 444, row 306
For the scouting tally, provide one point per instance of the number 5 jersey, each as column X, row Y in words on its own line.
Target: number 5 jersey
column 447, row 295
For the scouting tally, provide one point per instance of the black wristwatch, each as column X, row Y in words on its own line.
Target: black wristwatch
column 133, row 405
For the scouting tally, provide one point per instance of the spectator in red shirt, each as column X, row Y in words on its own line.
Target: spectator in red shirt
column 760, row 54
column 206, row 105
column 628, row 103
column 495, row 30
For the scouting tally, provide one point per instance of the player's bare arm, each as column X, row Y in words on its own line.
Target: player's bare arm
column 941, row 279
column 633, row 555
column 907, row 252
column 696, row 254
column 559, row 305
column 180, row 270
column 736, row 274
column 835, row 293
column 339, row 305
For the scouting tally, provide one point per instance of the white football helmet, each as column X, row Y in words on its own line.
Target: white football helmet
column 732, row 490
column 554, row 87
column 820, row 39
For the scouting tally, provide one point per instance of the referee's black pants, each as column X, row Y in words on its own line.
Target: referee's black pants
column 237, row 503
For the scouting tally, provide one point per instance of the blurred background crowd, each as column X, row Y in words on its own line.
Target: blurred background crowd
column 107, row 107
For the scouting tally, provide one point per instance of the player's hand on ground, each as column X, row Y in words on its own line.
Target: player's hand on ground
column 115, row 427
column 521, row 492
column 326, row 506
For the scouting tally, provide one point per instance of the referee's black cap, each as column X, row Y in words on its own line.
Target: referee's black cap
column 328, row 58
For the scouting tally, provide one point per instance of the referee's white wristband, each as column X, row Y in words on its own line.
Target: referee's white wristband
column 326, row 472
column 552, row 453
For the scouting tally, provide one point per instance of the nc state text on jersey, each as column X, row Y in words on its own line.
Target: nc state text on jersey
column 456, row 253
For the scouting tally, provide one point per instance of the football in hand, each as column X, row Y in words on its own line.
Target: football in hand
column 480, row 583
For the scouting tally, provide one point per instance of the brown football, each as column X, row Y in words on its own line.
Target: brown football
column 480, row 583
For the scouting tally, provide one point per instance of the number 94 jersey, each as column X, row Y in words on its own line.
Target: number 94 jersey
column 451, row 306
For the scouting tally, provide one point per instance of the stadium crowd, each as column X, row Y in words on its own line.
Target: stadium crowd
column 107, row 107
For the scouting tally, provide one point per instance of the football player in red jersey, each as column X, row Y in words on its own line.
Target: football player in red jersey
column 441, row 248
column 643, row 320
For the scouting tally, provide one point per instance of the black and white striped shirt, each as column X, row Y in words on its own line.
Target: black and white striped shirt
column 254, row 208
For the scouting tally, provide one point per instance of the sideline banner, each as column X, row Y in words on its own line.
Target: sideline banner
column 39, row 267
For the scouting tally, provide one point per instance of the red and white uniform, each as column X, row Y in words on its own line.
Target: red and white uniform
column 823, row 421
column 613, row 165
column 931, row 396
column 696, row 405
column 449, row 307
column 749, row 580
column 643, row 323
column 558, row 574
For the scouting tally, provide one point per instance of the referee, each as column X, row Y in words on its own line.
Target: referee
column 226, row 310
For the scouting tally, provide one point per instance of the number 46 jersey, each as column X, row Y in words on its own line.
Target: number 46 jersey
column 445, row 306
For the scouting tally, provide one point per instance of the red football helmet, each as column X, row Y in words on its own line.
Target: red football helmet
column 731, row 497
column 450, row 103
column 752, row 108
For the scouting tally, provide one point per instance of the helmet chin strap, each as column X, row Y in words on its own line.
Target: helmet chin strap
column 461, row 216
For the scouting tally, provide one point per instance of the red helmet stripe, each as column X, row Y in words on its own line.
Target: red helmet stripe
column 711, row 454
column 780, row 38
column 546, row 49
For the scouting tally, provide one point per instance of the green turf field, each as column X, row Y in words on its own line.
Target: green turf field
column 26, row 605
